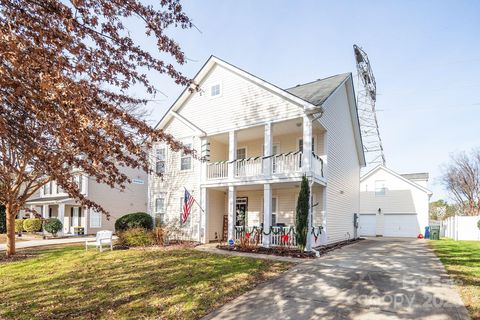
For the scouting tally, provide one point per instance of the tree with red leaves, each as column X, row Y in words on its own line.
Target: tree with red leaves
column 65, row 71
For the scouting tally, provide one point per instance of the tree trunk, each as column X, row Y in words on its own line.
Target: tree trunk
column 10, row 230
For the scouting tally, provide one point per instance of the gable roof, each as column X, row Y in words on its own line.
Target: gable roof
column 381, row 167
column 317, row 92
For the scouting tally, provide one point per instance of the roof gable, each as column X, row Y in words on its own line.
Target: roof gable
column 203, row 74
column 396, row 175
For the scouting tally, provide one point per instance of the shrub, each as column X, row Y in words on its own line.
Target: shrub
column 32, row 225
column 3, row 220
column 478, row 224
column 301, row 219
column 159, row 235
column 134, row 220
column 53, row 225
column 18, row 225
column 137, row 237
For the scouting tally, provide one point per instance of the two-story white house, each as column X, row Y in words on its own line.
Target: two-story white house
column 258, row 141
column 52, row 201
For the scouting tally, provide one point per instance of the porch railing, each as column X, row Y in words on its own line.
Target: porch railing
column 287, row 163
column 217, row 170
column 250, row 167
column 317, row 164
column 279, row 236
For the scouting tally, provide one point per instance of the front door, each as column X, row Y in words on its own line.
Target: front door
column 241, row 212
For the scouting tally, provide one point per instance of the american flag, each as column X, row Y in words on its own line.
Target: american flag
column 188, row 201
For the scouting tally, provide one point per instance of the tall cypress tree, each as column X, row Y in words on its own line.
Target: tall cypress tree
column 301, row 221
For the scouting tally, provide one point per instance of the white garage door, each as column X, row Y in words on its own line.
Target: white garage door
column 400, row 225
column 367, row 225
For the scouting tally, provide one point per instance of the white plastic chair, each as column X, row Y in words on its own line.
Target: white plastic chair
column 102, row 238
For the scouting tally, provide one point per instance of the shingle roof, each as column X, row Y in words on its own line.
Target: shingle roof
column 415, row 176
column 318, row 91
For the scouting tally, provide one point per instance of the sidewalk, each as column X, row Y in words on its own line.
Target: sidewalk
column 47, row 242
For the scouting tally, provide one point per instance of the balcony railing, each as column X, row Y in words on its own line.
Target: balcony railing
column 217, row 170
column 317, row 164
column 290, row 162
column 250, row 167
column 282, row 164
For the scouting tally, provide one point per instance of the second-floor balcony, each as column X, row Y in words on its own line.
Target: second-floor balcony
column 287, row 164
column 274, row 151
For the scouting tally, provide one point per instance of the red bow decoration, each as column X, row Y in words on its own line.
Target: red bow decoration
column 315, row 237
column 247, row 235
column 285, row 238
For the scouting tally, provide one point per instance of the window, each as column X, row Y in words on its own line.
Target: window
column 160, row 160
column 160, row 204
column 274, row 211
column 215, row 90
column 186, row 159
column 78, row 181
column 95, row 219
column 242, row 153
column 380, row 188
column 47, row 188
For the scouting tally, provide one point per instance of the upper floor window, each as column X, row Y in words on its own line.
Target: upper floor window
column 47, row 188
column 380, row 188
column 215, row 90
column 160, row 160
column 186, row 159
column 241, row 153
column 79, row 182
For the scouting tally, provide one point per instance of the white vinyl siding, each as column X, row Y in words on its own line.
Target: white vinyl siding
column 245, row 104
column 343, row 166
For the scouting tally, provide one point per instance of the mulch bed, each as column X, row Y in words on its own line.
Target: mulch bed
column 277, row 251
column 288, row 252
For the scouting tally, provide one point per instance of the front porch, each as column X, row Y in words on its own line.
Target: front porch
column 73, row 216
column 262, row 214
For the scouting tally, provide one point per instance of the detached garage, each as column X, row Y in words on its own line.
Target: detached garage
column 392, row 204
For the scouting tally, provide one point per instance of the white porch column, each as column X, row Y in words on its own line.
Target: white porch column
column 85, row 214
column 267, row 150
column 203, row 232
column 308, row 246
column 45, row 211
column 324, row 237
column 232, row 154
column 267, row 213
column 232, row 208
column 61, row 217
column 307, row 145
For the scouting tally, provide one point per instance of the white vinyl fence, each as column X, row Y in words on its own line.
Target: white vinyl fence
column 462, row 228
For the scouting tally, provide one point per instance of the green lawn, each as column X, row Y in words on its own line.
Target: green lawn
column 462, row 261
column 176, row 284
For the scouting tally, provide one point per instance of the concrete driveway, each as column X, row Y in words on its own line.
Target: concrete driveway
column 379, row 278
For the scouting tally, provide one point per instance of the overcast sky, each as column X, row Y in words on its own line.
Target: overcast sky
column 425, row 56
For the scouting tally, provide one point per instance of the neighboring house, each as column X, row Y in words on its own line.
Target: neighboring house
column 392, row 204
column 259, row 140
column 51, row 201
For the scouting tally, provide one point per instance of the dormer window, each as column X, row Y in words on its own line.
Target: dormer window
column 215, row 90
